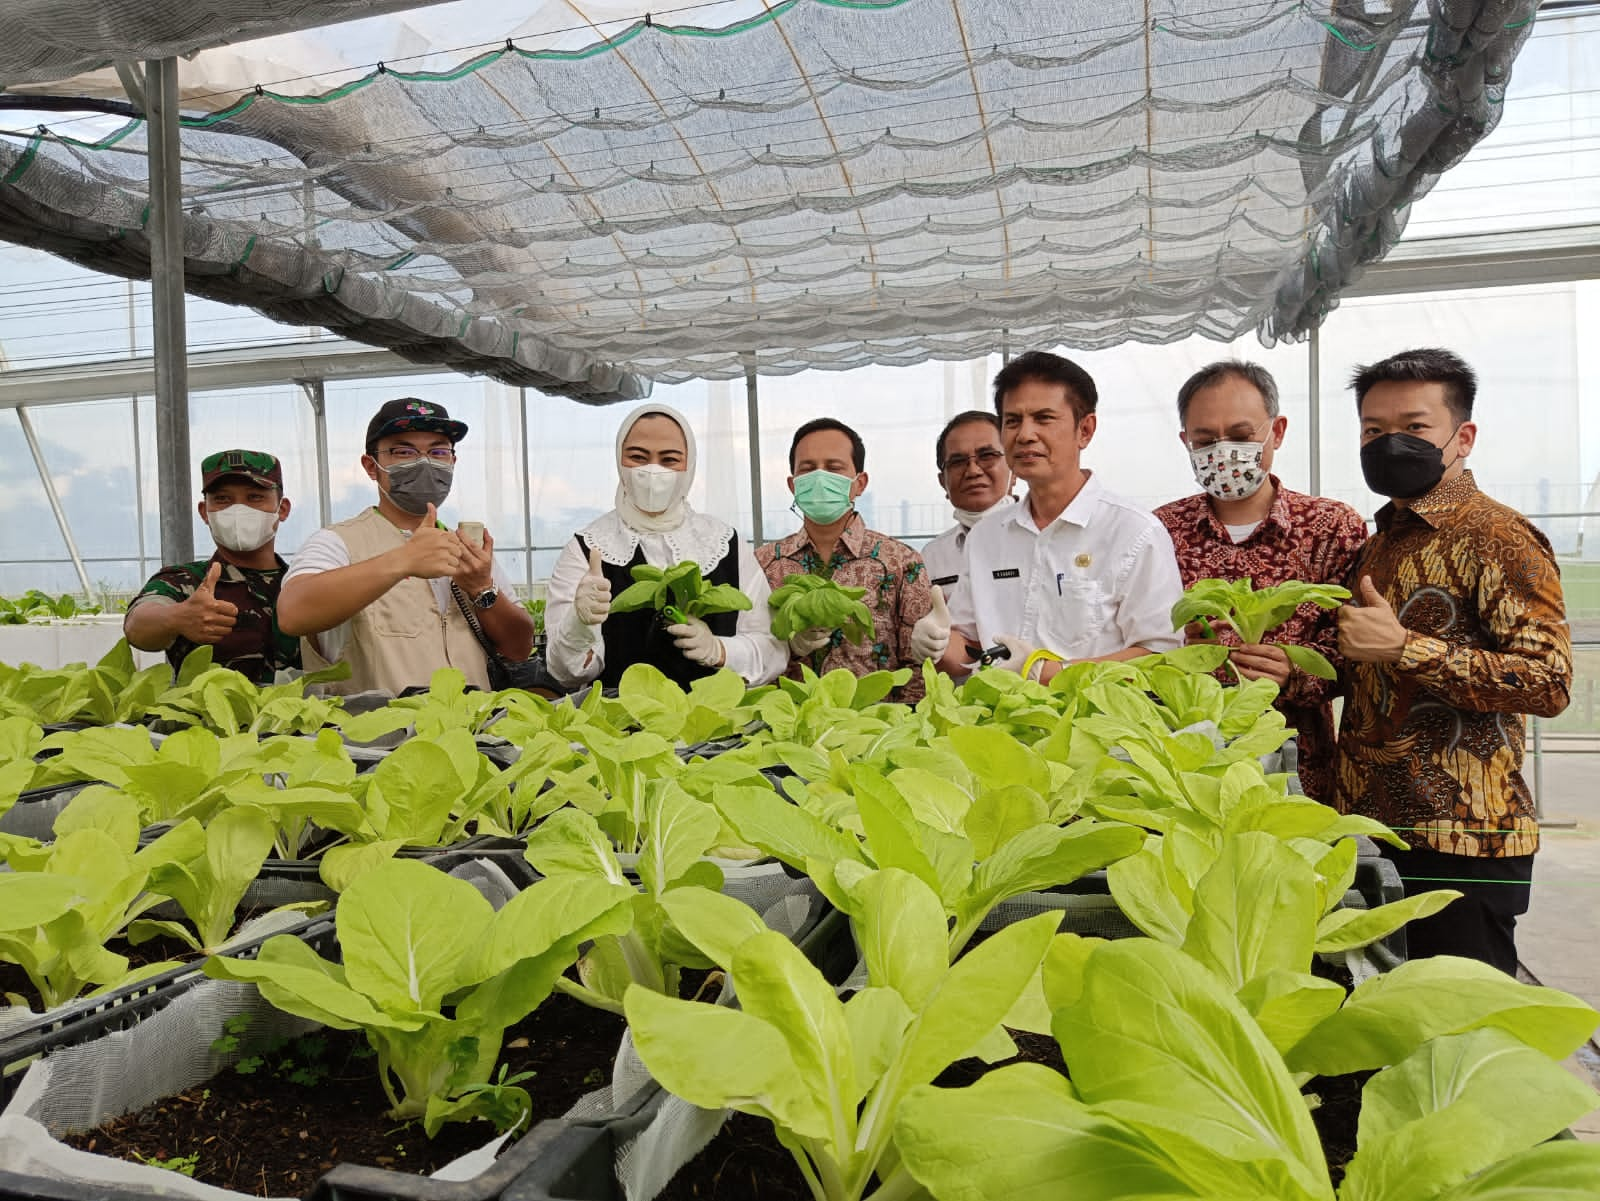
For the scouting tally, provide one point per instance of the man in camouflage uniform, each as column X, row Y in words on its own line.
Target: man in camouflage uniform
column 230, row 601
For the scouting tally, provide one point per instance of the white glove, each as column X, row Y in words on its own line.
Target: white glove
column 807, row 642
column 698, row 644
column 1020, row 651
column 930, row 637
column 592, row 601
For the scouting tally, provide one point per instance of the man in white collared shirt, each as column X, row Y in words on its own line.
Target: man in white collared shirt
column 1074, row 569
column 975, row 478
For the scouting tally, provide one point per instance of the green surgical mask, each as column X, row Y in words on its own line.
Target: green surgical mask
column 822, row 496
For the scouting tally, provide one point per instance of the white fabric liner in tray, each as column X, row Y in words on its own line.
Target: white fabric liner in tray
column 78, row 1088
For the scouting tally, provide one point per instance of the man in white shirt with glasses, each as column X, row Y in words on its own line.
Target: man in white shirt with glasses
column 977, row 481
column 389, row 591
column 1074, row 570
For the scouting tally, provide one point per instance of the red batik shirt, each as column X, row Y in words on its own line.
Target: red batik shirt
column 1308, row 538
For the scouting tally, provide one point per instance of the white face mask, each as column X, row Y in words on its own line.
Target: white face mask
column 1229, row 470
column 241, row 528
column 970, row 517
column 651, row 487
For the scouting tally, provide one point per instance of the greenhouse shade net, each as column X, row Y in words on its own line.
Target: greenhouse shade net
column 51, row 39
column 828, row 183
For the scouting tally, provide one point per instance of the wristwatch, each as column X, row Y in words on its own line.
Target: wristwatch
column 487, row 598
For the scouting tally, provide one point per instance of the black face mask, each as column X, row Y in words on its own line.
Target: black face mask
column 1402, row 465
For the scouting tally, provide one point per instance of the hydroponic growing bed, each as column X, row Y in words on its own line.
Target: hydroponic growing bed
column 836, row 915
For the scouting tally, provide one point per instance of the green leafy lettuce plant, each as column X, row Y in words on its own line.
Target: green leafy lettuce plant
column 425, row 792
column 433, row 976
column 34, row 605
column 676, row 833
column 973, row 849
column 62, row 901
column 678, row 592
column 229, row 702
column 113, row 690
column 1254, row 909
column 1175, row 1092
column 713, row 706
column 806, row 601
column 832, row 1075
column 1255, row 612
column 209, row 886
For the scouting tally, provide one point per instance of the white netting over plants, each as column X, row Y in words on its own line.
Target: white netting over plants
column 828, row 183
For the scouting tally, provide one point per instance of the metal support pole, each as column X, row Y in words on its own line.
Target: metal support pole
column 1314, row 396
column 319, row 424
column 132, row 83
column 527, row 503
column 55, row 501
column 138, row 443
column 753, row 423
column 166, row 292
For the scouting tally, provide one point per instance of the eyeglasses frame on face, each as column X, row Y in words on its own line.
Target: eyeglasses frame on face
column 1199, row 446
column 987, row 457
column 406, row 454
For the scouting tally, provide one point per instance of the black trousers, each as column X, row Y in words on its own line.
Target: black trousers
column 1482, row 924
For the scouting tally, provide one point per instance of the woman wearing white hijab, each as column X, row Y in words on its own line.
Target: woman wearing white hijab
column 654, row 524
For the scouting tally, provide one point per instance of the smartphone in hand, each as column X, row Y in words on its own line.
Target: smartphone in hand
column 472, row 531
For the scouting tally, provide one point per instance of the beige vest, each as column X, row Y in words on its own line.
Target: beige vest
column 401, row 638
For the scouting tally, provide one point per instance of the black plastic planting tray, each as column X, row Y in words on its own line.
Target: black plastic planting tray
column 826, row 941
column 574, row 1159
column 91, row 1017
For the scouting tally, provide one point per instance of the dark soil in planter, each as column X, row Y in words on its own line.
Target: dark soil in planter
column 746, row 1160
column 269, row 1133
column 14, row 980
column 1337, row 1116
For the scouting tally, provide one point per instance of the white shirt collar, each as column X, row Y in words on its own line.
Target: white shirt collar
column 1078, row 510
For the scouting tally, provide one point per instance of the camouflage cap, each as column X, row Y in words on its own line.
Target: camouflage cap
column 255, row 466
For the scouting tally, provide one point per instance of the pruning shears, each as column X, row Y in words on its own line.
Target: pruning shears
column 987, row 658
column 675, row 615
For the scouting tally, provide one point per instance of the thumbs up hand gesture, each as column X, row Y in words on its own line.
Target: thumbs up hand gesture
column 1369, row 631
column 592, row 601
column 931, row 636
column 432, row 553
column 203, row 618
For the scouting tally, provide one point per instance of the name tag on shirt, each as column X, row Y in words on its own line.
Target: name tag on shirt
column 946, row 580
column 1008, row 573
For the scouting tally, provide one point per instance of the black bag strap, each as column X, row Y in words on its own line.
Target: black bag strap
column 489, row 648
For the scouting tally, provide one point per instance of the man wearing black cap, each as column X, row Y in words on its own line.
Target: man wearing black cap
column 383, row 591
column 228, row 602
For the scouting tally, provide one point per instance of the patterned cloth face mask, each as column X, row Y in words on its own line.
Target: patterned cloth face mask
column 1229, row 470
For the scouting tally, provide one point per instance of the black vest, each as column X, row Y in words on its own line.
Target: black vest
column 641, row 636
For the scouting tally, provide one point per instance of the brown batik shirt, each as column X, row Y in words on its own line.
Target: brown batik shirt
column 1431, row 745
column 897, row 591
column 1309, row 538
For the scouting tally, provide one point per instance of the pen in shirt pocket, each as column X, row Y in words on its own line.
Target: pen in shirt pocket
column 1060, row 575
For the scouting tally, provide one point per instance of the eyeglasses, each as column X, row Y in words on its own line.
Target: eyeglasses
column 1208, row 443
column 410, row 454
column 987, row 458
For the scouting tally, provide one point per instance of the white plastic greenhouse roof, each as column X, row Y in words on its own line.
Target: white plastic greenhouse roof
column 814, row 183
